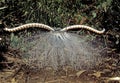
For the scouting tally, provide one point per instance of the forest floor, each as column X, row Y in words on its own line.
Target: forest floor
column 14, row 71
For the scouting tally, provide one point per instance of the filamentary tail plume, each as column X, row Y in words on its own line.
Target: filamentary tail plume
column 58, row 49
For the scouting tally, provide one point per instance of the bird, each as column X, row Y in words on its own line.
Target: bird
column 58, row 48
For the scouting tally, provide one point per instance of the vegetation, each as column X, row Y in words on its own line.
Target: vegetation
column 58, row 14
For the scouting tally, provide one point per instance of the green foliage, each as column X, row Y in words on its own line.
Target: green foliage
column 17, row 42
column 105, row 4
column 20, row 42
column 56, row 13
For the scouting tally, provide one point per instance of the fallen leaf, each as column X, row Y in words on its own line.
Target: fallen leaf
column 13, row 81
column 80, row 72
column 97, row 74
column 114, row 78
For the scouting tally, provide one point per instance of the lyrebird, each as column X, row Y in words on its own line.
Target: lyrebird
column 59, row 48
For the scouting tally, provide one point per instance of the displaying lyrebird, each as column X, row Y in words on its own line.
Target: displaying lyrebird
column 59, row 48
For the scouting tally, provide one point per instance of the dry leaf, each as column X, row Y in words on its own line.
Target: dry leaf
column 97, row 74
column 80, row 72
column 114, row 78
column 13, row 81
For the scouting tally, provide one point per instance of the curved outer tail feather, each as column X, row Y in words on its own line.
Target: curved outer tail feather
column 83, row 27
column 29, row 25
column 39, row 25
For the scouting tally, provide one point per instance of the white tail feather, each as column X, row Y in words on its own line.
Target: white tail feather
column 29, row 25
column 84, row 27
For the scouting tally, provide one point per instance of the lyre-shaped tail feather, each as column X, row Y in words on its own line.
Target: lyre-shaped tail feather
column 83, row 27
column 29, row 25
